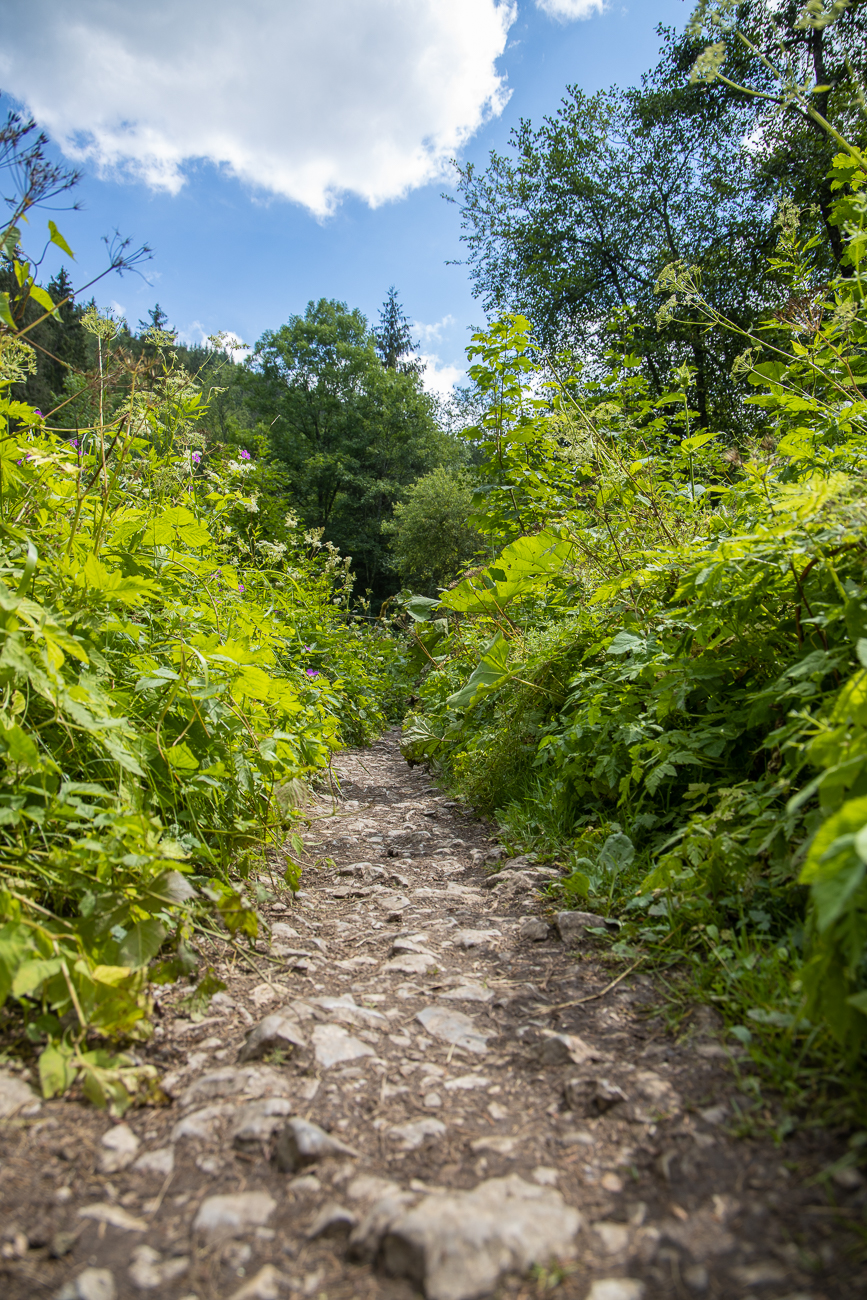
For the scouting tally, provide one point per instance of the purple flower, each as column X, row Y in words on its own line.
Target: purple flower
column 39, row 413
column 244, row 454
column 312, row 672
column 197, row 456
column 74, row 443
column 240, row 586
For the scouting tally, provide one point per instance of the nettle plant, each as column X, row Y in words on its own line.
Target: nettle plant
column 170, row 673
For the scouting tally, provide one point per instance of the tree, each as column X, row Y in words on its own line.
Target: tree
column 394, row 338
column 157, row 320
column 578, row 219
column 432, row 539
column 352, row 432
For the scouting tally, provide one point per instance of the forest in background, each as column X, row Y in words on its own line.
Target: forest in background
column 622, row 571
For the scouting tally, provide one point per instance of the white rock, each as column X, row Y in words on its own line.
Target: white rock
column 202, row 1125
column 91, row 1284
column 277, row 1030
column 334, row 1045
column 469, row 993
column 302, row 1143
column 14, row 1095
column 466, row 1082
column 228, row 1216
column 474, row 938
column 114, row 1215
column 458, row 1245
column 368, row 1187
column 235, row 1080
column 258, row 1121
column 453, row 1027
column 345, row 1010
column 305, row 1185
column 282, row 932
column 545, row 1176
column 412, row 1135
column 411, row 963
column 160, row 1162
column 264, row 1286
column 333, row 1220
column 119, row 1147
column 561, row 1049
column 616, row 1288
column 149, row 1270
column 614, row 1236
column 501, row 1146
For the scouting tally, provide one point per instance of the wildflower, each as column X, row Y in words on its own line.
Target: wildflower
column 244, row 454
column 312, row 672
column 74, row 443
column 39, row 413
column 197, row 456
column 240, row 586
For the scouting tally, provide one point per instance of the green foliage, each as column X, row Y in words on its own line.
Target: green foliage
column 663, row 679
column 173, row 666
column 431, row 538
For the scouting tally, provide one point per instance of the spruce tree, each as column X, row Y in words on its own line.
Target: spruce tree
column 394, row 339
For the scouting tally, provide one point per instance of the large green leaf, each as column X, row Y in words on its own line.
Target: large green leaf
column 490, row 672
column 526, row 567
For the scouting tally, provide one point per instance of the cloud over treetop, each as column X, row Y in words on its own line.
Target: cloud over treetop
column 308, row 101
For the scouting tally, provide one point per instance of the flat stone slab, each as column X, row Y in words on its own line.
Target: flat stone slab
column 413, row 1135
column 346, row 1010
column 458, row 1245
column 14, row 1095
column 277, row 1030
column 475, row 938
column 468, row 993
column 233, row 1081
column 453, row 1027
column 333, row 1045
column 230, row 1216
column 412, row 963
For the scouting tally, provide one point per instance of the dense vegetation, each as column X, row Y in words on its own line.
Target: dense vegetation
column 660, row 680
column 631, row 552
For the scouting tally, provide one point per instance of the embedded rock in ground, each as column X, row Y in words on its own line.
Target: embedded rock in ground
column 457, row 1246
column 533, row 930
column 658, row 1097
column 232, row 1081
column 348, row 1012
column 333, row 1045
column 277, row 1030
column 202, row 1125
column 571, row 925
column 228, row 1216
column 119, row 1148
column 149, row 1270
column 258, row 1121
column 412, row 1135
column 469, row 993
column 15, row 1094
column 91, row 1284
column 302, row 1143
column 453, row 1027
column 592, row 1096
column 412, row 963
column 333, row 1220
column 474, row 938
column 616, row 1288
column 565, row 1049
column 113, row 1215
column 268, row 1284
column 160, row 1163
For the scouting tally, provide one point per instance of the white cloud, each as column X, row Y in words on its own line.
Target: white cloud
column 567, row 11
column 439, row 377
column 306, row 100
column 432, row 333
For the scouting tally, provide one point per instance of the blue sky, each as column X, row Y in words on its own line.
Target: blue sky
column 230, row 253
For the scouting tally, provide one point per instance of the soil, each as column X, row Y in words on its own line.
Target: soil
column 669, row 1195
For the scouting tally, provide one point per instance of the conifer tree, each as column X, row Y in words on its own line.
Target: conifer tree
column 394, row 339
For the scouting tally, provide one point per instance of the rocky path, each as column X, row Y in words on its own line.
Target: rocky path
column 425, row 1082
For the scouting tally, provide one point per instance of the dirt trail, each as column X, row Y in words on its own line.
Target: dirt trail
column 447, row 1039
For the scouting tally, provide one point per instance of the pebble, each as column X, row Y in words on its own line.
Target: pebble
column 333, row 1220
column 616, row 1288
column 202, row 1125
column 334, row 1045
column 258, row 1121
column 592, row 1096
column 412, row 1135
column 301, row 1143
column 229, row 1216
column 533, row 930
column 160, row 1162
column 149, row 1270
column 458, row 1245
column 453, row 1027
column 15, row 1095
column 571, row 925
column 119, row 1148
column 267, row 1284
column 346, row 1009
column 113, row 1215
column 275, row 1031
column 565, row 1049
column 91, row 1284
column 234, row 1080
column 545, row 1176
column 469, row 993
column 614, row 1237
column 475, row 938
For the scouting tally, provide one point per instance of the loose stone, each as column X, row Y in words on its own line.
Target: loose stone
column 149, row 1270
column 334, row 1045
column 276, row 1030
column 228, row 1216
column 453, row 1027
column 91, row 1284
column 119, row 1146
column 616, row 1288
column 302, row 1143
column 333, row 1220
column 160, row 1163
